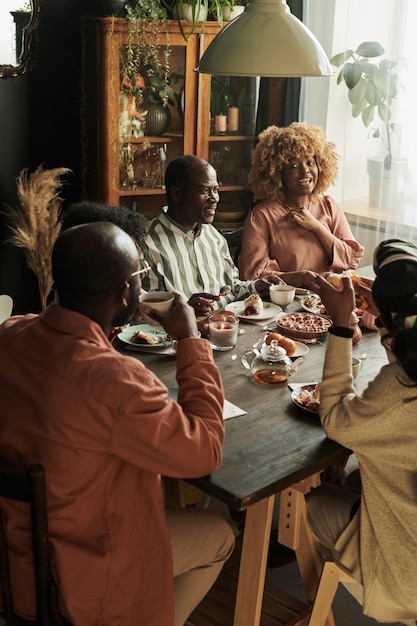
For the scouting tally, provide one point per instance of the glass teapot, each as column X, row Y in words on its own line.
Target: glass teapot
column 270, row 364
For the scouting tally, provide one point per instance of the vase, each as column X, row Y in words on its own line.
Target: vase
column 158, row 118
column 386, row 186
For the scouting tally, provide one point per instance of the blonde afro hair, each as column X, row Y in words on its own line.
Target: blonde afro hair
column 277, row 146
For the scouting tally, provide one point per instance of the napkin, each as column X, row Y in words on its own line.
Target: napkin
column 229, row 409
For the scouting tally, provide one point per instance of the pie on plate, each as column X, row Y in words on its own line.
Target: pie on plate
column 303, row 325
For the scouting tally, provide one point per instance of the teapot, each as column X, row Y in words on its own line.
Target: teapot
column 270, row 364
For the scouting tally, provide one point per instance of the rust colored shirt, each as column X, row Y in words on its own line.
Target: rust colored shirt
column 104, row 428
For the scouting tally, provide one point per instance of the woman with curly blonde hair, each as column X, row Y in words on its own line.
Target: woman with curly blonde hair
column 295, row 230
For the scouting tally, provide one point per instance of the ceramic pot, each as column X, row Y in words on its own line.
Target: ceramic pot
column 386, row 187
column 185, row 12
column 158, row 118
column 229, row 13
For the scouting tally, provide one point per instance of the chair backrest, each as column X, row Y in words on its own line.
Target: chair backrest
column 29, row 486
column 6, row 307
column 234, row 241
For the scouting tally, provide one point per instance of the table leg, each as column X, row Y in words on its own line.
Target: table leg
column 253, row 563
column 294, row 532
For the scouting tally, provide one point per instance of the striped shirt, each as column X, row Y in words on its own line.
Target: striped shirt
column 190, row 263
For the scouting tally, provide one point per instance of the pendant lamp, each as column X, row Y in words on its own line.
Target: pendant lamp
column 265, row 40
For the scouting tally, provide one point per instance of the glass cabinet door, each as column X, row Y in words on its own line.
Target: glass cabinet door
column 137, row 134
column 229, row 143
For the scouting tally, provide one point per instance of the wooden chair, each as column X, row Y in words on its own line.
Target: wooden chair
column 330, row 577
column 29, row 486
column 234, row 241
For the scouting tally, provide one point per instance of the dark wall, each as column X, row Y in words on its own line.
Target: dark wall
column 40, row 124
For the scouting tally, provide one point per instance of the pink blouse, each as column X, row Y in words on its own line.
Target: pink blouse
column 273, row 243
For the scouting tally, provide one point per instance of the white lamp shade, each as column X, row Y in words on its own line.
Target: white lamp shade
column 265, row 40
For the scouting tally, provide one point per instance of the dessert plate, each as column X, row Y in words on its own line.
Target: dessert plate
column 295, row 397
column 238, row 307
column 156, row 332
column 301, row 350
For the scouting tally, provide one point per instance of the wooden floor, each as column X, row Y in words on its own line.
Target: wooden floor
column 216, row 609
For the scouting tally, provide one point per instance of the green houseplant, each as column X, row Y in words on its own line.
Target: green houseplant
column 372, row 89
column 145, row 72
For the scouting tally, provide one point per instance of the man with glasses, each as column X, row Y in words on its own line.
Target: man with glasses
column 105, row 430
column 185, row 251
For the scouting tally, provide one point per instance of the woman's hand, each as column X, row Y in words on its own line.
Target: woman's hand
column 262, row 285
column 304, row 278
column 339, row 303
column 304, row 218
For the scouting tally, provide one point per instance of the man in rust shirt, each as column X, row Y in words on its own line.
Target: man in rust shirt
column 105, row 430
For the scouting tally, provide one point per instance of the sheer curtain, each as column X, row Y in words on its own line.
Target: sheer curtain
column 340, row 25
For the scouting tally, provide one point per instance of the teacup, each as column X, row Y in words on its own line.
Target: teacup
column 356, row 366
column 282, row 295
column 159, row 301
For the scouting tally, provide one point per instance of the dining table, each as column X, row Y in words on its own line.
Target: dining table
column 274, row 448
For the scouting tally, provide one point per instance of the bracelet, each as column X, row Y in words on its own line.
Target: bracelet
column 341, row 331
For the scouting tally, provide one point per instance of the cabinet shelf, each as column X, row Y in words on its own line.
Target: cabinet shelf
column 170, row 138
column 214, row 138
column 142, row 191
column 114, row 160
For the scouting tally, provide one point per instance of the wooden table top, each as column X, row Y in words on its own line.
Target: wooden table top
column 276, row 444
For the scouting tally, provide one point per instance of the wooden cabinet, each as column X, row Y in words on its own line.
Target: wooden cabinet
column 121, row 167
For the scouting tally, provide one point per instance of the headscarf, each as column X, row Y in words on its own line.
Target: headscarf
column 404, row 308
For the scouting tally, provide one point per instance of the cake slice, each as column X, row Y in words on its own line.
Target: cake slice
column 144, row 339
column 253, row 305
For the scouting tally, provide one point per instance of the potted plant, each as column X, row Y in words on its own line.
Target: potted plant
column 147, row 91
column 146, row 80
column 232, row 8
column 373, row 88
column 197, row 12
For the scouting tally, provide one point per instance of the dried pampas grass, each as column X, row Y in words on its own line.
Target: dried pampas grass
column 35, row 225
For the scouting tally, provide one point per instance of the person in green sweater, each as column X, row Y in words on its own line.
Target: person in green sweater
column 370, row 530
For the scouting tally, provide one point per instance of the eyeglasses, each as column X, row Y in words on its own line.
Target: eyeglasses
column 144, row 269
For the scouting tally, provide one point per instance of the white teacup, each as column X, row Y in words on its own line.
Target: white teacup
column 160, row 301
column 356, row 366
column 282, row 295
